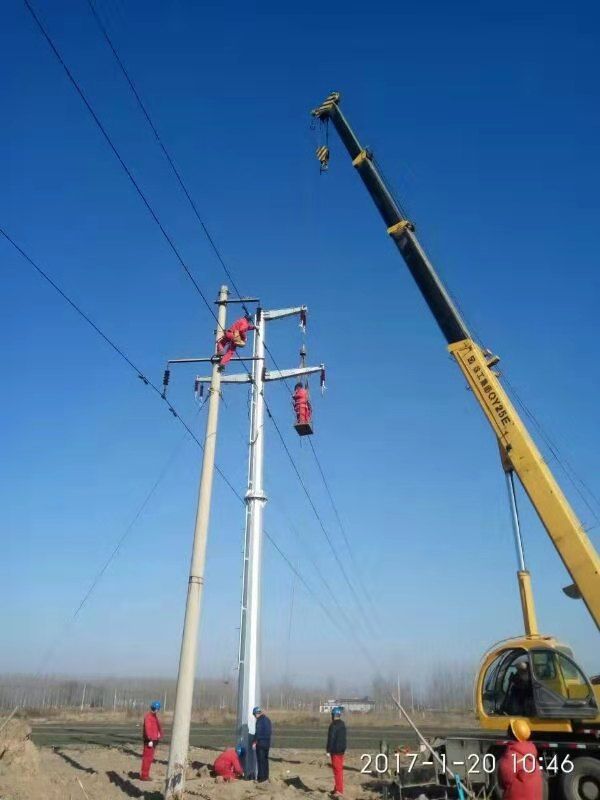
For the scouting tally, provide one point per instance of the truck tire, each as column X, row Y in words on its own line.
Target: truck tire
column 583, row 783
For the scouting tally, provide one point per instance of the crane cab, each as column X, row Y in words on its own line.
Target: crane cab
column 534, row 677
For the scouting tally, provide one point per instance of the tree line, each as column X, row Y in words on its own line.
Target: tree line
column 446, row 688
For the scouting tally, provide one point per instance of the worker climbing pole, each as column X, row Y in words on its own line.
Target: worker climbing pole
column 234, row 337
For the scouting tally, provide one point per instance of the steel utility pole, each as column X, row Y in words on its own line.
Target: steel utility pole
column 249, row 652
column 180, row 737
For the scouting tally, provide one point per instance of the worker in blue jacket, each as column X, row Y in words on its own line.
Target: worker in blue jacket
column 262, row 743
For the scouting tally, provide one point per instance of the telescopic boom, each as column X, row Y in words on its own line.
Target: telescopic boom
column 519, row 451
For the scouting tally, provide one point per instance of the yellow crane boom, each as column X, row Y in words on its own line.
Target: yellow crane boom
column 518, row 448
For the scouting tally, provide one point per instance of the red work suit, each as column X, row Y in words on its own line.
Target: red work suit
column 228, row 765
column 152, row 733
column 521, row 777
column 302, row 406
column 234, row 337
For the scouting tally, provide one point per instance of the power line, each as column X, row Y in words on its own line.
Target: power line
column 116, row 549
column 177, row 416
column 119, row 158
column 366, row 653
column 341, row 527
column 173, row 247
column 568, row 470
column 163, row 147
column 110, row 342
column 320, row 521
column 207, row 233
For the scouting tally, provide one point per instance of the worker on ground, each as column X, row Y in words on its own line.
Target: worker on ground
column 152, row 735
column 519, row 769
column 302, row 406
column 228, row 765
column 336, row 747
column 262, row 743
column 235, row 336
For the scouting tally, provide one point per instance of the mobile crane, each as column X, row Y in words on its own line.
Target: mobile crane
column 560, row 702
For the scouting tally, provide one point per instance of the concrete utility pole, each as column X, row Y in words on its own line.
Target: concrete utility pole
column 249, row 651
column 180, row 737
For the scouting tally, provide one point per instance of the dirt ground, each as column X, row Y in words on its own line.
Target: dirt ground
column 111, row 773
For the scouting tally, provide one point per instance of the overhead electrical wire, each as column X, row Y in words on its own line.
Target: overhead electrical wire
column 203, row 225
column 199, row 290
column 163, row 147
column 342, row 528
column 570, row 472
column 119, row 158
column 116, row 549
column 110, row 342
column 180, row 259
column 146, row 381
column 120, row 352
column 368, row 621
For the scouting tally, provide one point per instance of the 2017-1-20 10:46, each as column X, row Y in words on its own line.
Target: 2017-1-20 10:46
column 475, row 763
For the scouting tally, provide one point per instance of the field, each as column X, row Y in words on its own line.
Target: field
column 99, row 759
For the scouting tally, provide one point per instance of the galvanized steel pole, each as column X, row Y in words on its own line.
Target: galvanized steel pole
column 178, row 754
column 249, row 653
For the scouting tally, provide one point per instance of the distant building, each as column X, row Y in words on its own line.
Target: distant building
column 353, row 705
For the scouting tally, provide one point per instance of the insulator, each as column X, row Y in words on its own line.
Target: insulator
column 166, row 377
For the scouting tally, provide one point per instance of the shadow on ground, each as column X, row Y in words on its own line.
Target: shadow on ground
column 297, row 783
column 73, row 763
column 130, row 789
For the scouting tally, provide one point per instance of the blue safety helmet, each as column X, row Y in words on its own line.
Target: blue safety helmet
column 257, row 710
column 155, row 706
column 240, row 750
column 336, row 712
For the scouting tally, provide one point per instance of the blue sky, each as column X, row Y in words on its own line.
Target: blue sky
column 486, row 120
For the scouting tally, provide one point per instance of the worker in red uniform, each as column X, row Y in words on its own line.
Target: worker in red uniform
column 234, row 337
column 302, row 406
column 152, row 735
column 519, row 768
column 228, row 765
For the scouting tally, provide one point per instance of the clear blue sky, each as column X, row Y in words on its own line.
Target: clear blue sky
column 487, row 122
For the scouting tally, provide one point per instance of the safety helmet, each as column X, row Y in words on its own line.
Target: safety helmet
column 256, row 711
column 155, row 706
column 336, row 712
column 240, row 750
column 520, row 729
